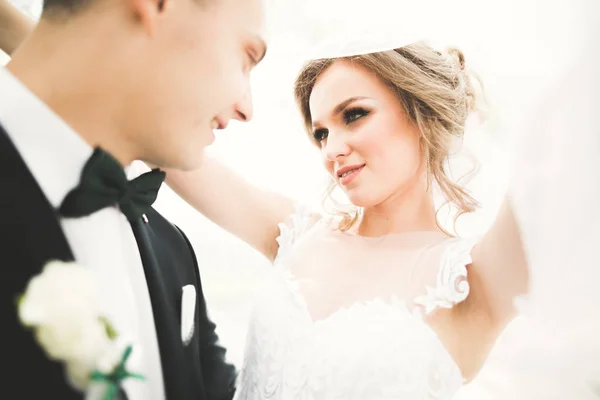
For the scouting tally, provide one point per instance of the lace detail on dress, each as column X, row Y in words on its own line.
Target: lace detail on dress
column 375, row 347
column 452, row 286
column 298, row 224
column 376, row 350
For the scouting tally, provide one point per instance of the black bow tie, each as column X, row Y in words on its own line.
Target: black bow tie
column 104, row 184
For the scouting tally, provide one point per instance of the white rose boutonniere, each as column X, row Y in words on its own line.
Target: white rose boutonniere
column 62, row 306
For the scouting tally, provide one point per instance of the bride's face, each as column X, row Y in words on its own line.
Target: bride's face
column 369, row 145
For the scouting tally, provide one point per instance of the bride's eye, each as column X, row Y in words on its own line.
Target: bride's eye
column 320, row 134
column 353, row 114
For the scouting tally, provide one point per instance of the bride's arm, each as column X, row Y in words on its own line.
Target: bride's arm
column 499, row 271
column 14, row 27
column 229, row 201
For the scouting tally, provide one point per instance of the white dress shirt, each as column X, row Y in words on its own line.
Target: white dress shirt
column 103, row 241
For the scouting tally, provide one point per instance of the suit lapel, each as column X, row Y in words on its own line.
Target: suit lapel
column 31, row 236
column 24, row 206
column 166, row 313
column 34, row 236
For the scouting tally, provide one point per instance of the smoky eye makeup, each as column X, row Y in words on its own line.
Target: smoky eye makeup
column 320, row 134
column 352, row 114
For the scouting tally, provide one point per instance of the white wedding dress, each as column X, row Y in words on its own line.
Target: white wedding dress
column 344, row 317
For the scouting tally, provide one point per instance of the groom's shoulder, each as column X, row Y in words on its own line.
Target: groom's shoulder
column 18, row 182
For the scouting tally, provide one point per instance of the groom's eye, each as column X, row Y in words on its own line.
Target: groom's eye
column 253, row 58
column 250, row 60
column 256, row 51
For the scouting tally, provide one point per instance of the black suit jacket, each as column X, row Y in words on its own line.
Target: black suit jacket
column 31, row 235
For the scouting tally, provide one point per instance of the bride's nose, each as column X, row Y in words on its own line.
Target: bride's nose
column 335, row 147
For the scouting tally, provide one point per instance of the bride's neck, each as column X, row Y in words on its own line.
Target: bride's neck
column 407, row 213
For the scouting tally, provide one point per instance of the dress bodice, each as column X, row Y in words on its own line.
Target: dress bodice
column 334, row 333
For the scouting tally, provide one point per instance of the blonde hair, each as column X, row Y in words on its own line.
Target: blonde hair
column 438, row 95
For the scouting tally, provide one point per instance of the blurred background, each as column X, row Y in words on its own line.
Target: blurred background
column 516, row 47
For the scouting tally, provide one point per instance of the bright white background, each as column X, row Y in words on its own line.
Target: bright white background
column 515, row 47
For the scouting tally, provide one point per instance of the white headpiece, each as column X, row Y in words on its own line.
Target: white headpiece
column 342, row 28
column 365, row 40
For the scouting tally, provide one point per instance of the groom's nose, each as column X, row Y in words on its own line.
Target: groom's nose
column 244, row 108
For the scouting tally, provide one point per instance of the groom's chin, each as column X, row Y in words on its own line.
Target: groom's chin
column 184, row 152
column 187, row 159
column 195, row 163
column 192, row 160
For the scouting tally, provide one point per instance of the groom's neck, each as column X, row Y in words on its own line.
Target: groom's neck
column 73, row 71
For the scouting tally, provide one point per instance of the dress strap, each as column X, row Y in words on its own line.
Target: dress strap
column 452, row 286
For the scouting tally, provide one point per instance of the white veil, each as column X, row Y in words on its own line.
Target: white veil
column 551, row 163
column 556, row 197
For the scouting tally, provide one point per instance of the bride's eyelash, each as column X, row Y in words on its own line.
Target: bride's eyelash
column 350, row 115
column 320, row 134
column 355, row 113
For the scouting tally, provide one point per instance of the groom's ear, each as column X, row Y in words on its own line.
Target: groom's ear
column 148, row 12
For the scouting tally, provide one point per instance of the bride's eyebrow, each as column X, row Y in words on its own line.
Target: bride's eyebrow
column 340, row 107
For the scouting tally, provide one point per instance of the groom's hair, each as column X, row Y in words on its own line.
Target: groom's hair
column 54, row 9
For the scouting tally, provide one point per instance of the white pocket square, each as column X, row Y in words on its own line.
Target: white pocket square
column 188, row 311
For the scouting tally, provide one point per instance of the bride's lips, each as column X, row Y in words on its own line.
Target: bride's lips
column 349, row 173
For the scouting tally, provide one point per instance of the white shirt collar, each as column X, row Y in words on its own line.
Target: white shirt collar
column 53, row 151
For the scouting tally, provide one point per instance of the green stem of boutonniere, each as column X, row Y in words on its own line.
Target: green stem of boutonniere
column 114, row 379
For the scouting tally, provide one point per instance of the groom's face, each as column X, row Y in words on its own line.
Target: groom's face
column 199, row 58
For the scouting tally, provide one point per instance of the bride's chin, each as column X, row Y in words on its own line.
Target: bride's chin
column 361, row 198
